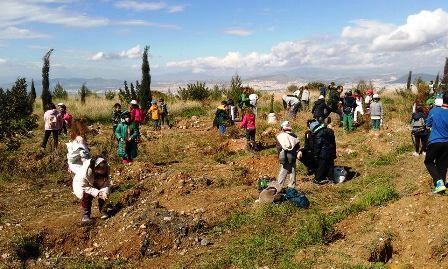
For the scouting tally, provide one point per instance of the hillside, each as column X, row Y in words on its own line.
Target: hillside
column 188, row 201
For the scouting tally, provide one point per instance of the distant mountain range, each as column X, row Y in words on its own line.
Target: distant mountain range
column 424, row 76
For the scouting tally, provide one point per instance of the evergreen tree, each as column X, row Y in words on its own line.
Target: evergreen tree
column 436, row 82
column 32, row 92
column 59, row 92
column 125, row 95
column 236, row 88
column 408, row 84
column 445, row 72
column 137, row 87
column 20, row 107
column 83, row 93
column 145, row 87
column 46, row 95
column 133, row 93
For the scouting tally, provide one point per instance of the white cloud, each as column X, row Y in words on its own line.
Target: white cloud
column 148, row 6
column 2, row 61
column 422, row 40
column 238, row 31
column 420, row 29
column 147, row 23
column 12, row 32
column 132, row 53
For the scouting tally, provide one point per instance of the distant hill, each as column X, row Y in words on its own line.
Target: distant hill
column 424, row 76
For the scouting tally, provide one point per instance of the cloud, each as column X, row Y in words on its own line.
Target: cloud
column 148, row 6
column 12, row 32
column 147, row 23
column 420, row 29
column 132, row 53
column 363, row 45
column 238, row 32
column 2, row 61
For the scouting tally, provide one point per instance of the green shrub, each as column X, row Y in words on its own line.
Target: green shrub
column 188, row 112
column 59, row 92
column 194, row 91
column 109, row 94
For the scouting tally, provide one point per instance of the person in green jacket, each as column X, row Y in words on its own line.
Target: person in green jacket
column 244, row 101
column 126, row 134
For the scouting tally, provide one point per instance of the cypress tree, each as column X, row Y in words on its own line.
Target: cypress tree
column 436, row 82
column 32, row 92
column 145, row 87
column 46, row 95
column 445, row 72
column 133, row 93
column 408, row 84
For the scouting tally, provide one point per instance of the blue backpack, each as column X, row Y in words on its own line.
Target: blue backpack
column 296, row 198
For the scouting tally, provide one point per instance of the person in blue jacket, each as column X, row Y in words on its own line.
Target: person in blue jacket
column 436, row 160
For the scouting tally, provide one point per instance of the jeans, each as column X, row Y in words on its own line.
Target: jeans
column 436, row 160
column 47, row 136
column 348, row 121
column 286, row 169
column 376, row 124
column 155, row 124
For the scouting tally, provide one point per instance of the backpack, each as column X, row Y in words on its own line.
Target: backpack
column 52, row 121
column 138, row 115
column 418, row 126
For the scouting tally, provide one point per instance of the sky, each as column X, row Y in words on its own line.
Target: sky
column 203, row 38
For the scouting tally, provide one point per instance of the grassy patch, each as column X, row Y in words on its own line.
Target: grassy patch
column 188, row 112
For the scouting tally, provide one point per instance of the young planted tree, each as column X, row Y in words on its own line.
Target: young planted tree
column 133, row 93
column 46, row 95
column 408, row 84
column 236, row 88
column 83, row 93
column 32, row 93
column 145, row 87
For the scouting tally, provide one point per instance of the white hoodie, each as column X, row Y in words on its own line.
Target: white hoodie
column 84, row 182
column 77, row 153
column 287, row 141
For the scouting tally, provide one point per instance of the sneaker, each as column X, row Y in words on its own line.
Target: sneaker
column 440, row 186
column 104, row 216
column 415, row 154
column 424, row 153
column 86, row 219
column 125, row 161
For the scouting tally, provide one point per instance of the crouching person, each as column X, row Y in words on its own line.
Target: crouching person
column 90, row 181
column 287, row 146
column 324, row 151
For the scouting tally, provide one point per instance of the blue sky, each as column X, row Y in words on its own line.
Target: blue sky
column 105, row 38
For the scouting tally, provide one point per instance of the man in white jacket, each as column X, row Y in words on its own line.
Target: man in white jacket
column 92, row 180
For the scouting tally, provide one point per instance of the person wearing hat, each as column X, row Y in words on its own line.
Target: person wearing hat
column 90, row 181
column 436, row 160
column 376, row 112
column 221, row 117
column 154, row 112
column 320, row 109
column 288, row 148
column 324, row 151
column 127, row 134
column 348, row 108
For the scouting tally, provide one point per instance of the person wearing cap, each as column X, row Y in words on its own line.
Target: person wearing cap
column 436, row 160
column 376, row 112
column 288, row 151
column 92, row 180
column 348, row 108
column 292, row 105
column 324, row 151
column 320, row 109
column 127, row 134
column 154, row 112
column 221, row 117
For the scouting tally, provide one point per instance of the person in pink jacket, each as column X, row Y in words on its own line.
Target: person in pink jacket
column 53, row 123
column 248, row 123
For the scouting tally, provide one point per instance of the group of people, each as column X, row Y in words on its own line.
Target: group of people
column 56, row 122
column 296, row 102
column 349, row 108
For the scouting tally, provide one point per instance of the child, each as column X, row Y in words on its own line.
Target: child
column 154, row 112
column 248, row 123
column 136, row 116
column 358, row 109
column 348, row 108
column 92, row 180
column 127, row 134
column 288, row 147
column 221, row 117
column 376, row 112
column 419, row 131
column 53, row 123
column 320, row 109
column 66, row 117
column 164, row 115
column 231, row 111
column 116, row 117
column 77, row 150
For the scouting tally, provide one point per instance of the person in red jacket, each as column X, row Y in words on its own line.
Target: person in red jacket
column 248, row 123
